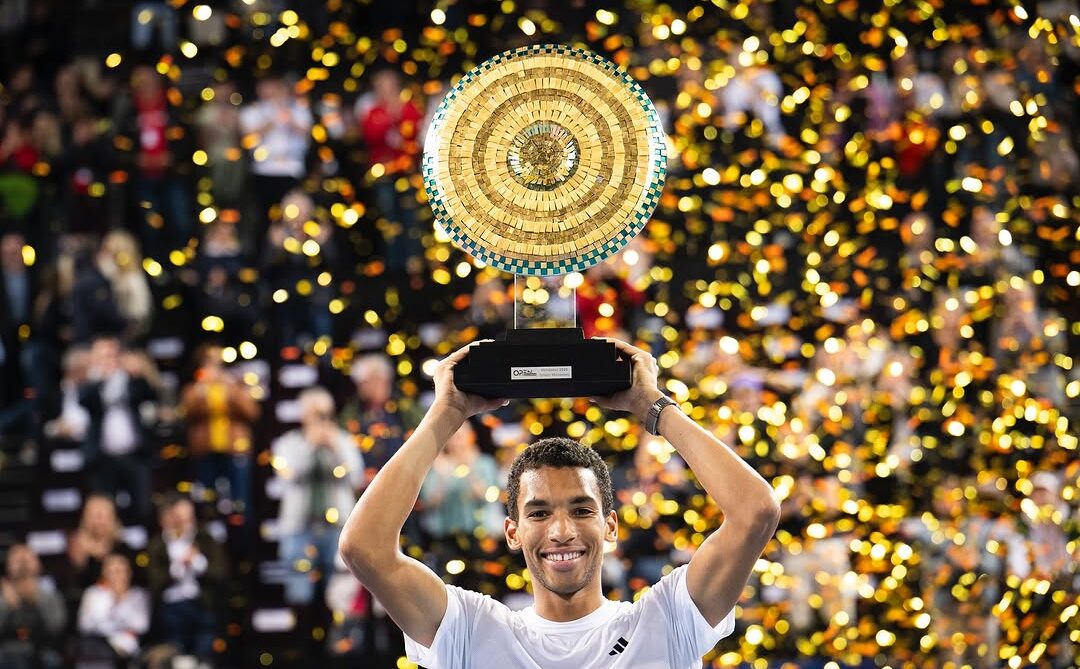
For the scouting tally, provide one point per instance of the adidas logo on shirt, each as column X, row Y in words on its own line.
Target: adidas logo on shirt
column 620, row 646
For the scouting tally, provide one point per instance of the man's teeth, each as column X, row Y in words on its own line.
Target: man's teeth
column 564, row 556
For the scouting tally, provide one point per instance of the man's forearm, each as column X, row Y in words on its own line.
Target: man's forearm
column 373, row 529
column 739, row 491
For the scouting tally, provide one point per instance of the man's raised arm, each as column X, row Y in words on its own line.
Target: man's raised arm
column 722, row 564
column 412, row 594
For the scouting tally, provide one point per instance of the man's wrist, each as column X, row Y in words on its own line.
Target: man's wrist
column 442, row 410
column 648, row 399
column 444, row 420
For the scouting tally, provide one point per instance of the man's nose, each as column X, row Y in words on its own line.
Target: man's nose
column 562, row 528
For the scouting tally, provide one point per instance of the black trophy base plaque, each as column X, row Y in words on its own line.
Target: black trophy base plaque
column 543, row 362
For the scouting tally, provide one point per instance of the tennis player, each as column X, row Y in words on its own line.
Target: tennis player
column 560, row 514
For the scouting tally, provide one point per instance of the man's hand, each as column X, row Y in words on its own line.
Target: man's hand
column 643, row 390
column 321, row 433
column 448, row 395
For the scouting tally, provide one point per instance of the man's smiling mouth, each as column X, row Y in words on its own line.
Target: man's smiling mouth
column 563, row 559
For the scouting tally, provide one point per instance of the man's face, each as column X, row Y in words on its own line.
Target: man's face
column 106, row 355
column 22, row 563
column 272, row 90
column 179, row 519
column 375, row 388
column 1043, row 496
column 561, row 527
column 116, row 572
column 99, row 516
column 387, row 86
column 317, row 412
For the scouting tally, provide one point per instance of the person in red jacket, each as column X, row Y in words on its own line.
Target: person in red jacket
column 390, row 121
column 169, row 218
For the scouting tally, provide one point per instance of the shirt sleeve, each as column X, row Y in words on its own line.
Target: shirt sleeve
column 689, row 635
column 451, row 647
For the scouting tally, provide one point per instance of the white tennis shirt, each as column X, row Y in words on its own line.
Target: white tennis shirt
column 662, row 630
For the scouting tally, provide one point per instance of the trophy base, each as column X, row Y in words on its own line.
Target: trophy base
column 543, row 362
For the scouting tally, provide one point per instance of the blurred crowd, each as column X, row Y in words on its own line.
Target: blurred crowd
column 223, row 295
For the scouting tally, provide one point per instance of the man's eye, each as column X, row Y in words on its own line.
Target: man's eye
column 584, row 511
column 538, row 514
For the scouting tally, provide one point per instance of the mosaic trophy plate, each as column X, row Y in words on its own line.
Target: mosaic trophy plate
column 544, row 160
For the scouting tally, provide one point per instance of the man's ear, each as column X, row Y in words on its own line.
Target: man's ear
column 510, row 530
column 611, row 527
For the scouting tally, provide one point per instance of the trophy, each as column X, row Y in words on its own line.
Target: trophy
column 541, row 162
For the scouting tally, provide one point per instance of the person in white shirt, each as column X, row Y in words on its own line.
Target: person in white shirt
column 277, row 127
column 187, row 573
column 321, row 469
column 113, row 611
column 560, row 515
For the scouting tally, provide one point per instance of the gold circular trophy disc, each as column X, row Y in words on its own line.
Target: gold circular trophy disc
column 544, row 160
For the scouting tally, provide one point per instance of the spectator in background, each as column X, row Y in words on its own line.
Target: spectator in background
column 218, row 126
column 51, row 329
column 602, row 301
column 32, row 614
column 18, row 284
column 93, row 308
column 73, row 420
column 219, row 412
column 221, row 247
column 85, row 161
column 121, row 262
column 113, row 616
column 823, row 585
column 110, row 294
column 321, row 470
column 17, row 150
column 656, row 472
column 756, row 89
column 222, row 293
column 169, row 223
column 277, row 127
column 117, row 444
column 68, row 92
column 374, row 416
column 19, row 189
column 300, row 259
column 455, row 492
column 16, row 301
column 153, row 16
column 46, row 134
column 389, row 122
column 224, row 296
column 98, row 535
column 187, row 570
column 1046, row 519
column 959, row 603
column 491, row 305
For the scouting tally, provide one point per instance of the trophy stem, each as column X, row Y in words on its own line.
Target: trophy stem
column 544, row 302
column 573, row 300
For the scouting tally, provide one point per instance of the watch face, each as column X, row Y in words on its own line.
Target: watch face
column 544, row 160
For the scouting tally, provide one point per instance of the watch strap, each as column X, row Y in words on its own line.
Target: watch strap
column 652, row 418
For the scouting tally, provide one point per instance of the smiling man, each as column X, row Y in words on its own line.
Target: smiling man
column 560, row 513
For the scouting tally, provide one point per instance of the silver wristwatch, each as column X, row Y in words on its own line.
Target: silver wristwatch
column 652, row 419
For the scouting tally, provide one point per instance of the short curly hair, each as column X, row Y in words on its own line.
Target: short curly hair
column 558, row 452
